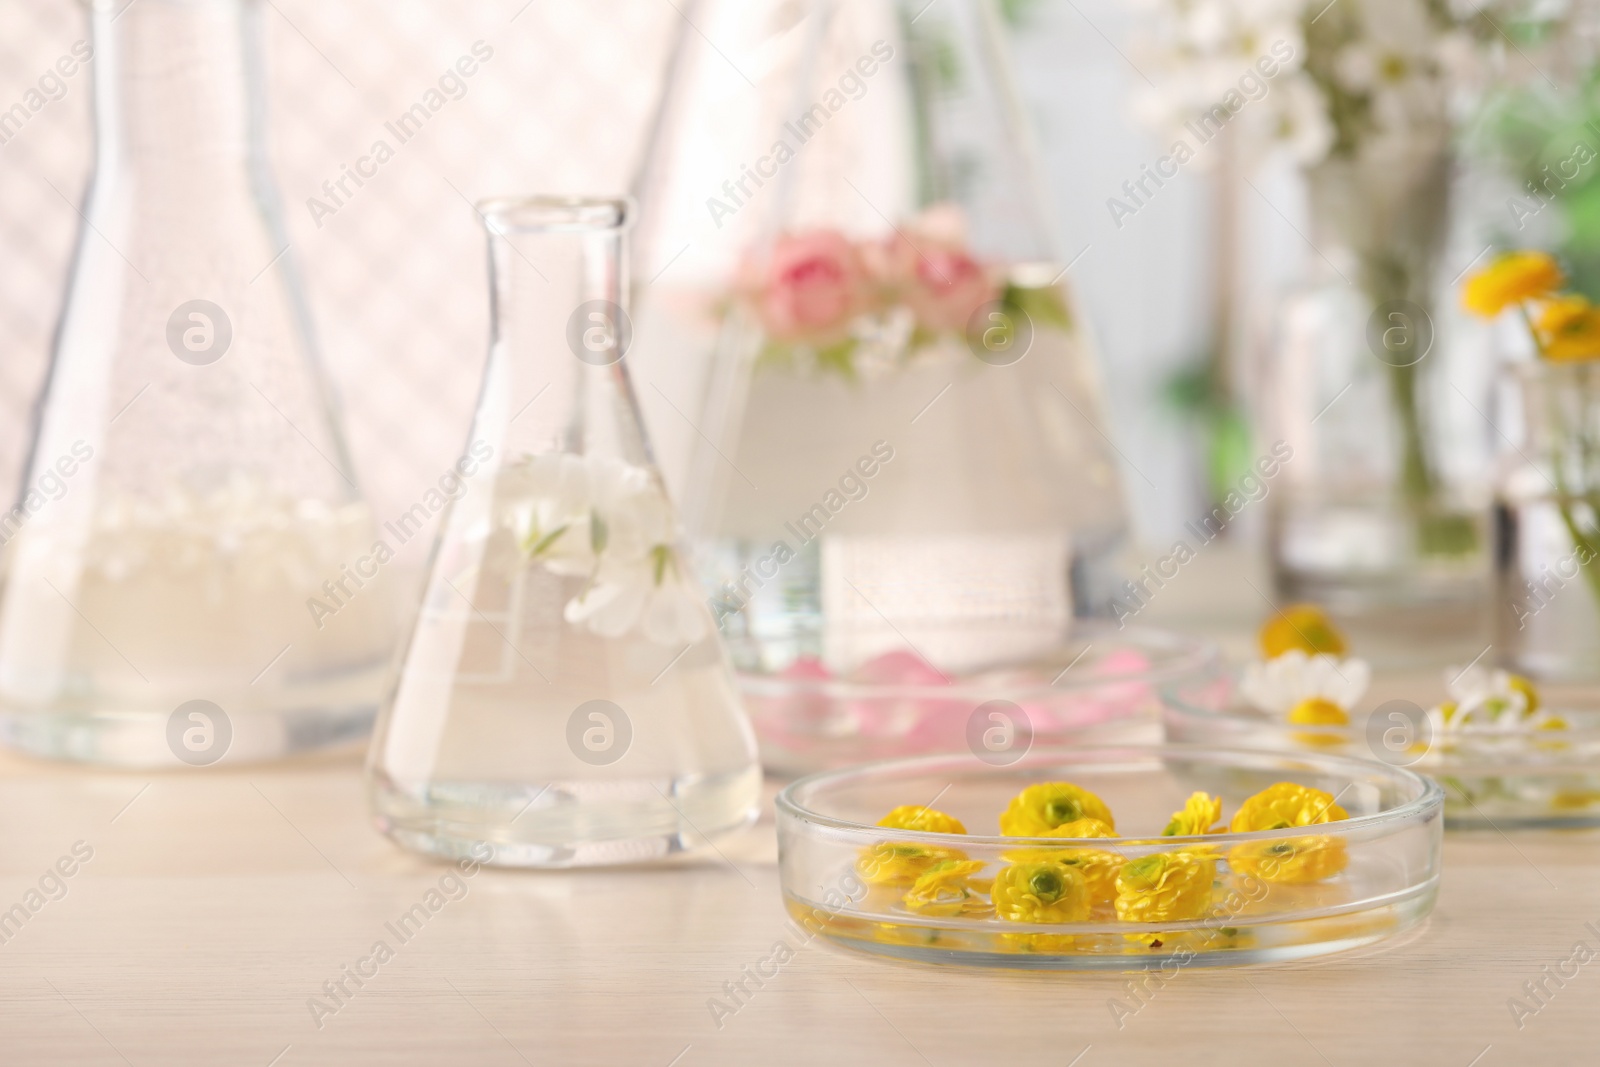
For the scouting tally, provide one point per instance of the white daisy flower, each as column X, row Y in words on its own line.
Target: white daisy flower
column 1313, row 690
column 1493, row 692
column 1491, row 702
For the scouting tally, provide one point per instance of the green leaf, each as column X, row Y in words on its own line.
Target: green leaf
column 660, row 558
column 1017, row 12
column 839, row 358
column 536, row 544
column 599, row 533
column 1228, row 457
column 1188, row 389
column 1041, row 304
column 1446, row 535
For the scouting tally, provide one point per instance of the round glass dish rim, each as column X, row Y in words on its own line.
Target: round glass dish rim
column 1430, row 800
column 1171, row 701
column 1196, row 656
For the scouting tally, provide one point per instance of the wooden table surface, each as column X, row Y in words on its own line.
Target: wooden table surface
column 206, row 909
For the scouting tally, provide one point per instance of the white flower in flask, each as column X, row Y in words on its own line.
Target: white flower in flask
column 611, row 523
column 649, row 594
column 553, row 524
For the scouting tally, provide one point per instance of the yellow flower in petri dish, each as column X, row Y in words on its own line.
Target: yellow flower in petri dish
column 1283, row 805
column 1039, row 942
column 1040, row 892
column 944, row 889
column 1301, row 626
column 1200, row 813
column 1568, row 329
column 1511, row 279
column 1098, row 867
column 892, row 934
column 1164, row 887
column 1290, row 860
column 1084, row 827
column 915, row 817
column 891, row 863
column 1041, row 808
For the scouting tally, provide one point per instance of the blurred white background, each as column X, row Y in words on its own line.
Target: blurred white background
column 397, row 276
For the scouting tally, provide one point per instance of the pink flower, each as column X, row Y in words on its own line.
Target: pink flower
column 929, row 266
column 810, row 286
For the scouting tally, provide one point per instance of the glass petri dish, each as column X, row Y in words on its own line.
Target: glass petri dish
column 1492, row 778
column 1096, row 684
column 1214, row 900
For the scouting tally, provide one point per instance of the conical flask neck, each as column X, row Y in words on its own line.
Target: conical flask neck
column 556, row 379
column 179, row 97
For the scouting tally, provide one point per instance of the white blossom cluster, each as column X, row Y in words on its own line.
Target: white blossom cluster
column 1368, row 78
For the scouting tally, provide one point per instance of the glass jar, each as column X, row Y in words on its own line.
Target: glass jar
column 1547, row 512
column 188, row 571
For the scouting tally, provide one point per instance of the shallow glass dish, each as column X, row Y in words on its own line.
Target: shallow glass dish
column 1097, row 684
column 1375, row 873
column 1491, row 778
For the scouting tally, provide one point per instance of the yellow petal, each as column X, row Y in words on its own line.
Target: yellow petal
column 1511, row 279
column 1044, row 892
column 1165, row 887
column 1290, row 860
column 1284, row 805
column 913, row 817
column 1041, row 808
column 1199, row 814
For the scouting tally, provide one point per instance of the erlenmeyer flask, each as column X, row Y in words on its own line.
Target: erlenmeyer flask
column 187, row 493
column 564, row 698
column 866, row 368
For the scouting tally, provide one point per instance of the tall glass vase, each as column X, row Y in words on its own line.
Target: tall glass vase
column 869, row 373
column 1547, row 508
column 564, row 699
column 188, row 569
column 1382, row 512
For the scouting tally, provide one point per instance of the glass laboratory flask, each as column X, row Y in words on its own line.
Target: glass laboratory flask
column 564, row 699
column 869, row 379
column 183, row 575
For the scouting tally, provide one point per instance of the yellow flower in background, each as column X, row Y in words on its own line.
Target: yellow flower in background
column 1301, row 626
column 1568, row 329
column 1511, row 279
column 1530, row 693
column 888, row 863
column 1318, row 711
column 1291, row 860
column 1284, row 805
column 914, row 817
column 1200, row 813
column 1575, row 799
column 1044, row 892
column 944, row 889
column 1165, row 887
column 1041, row 808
